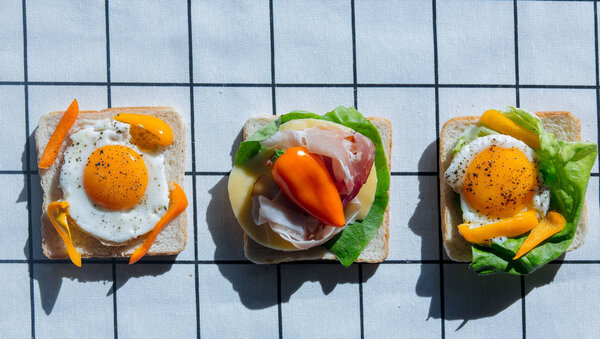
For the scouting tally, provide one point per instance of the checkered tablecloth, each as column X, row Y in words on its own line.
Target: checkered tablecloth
column 417, row 63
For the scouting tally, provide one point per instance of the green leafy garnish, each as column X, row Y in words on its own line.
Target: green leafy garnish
column 277, row 154
column 348, row 244
column 472, row 133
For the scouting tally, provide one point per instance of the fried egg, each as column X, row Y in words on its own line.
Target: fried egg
column 116, row 191
column 497, row 178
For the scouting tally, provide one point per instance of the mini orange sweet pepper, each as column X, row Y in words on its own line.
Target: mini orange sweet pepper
column 304, row 179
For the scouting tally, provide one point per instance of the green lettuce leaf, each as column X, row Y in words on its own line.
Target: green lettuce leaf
column 472, row 133
column 565, row 168
column 251, row 147
column 348, row 244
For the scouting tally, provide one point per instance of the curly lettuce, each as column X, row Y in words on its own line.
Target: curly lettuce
column 565, row 168
column 472, row 133
column 348, row 244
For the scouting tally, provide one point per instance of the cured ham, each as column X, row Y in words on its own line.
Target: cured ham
column 293, row 224
column 348, row 156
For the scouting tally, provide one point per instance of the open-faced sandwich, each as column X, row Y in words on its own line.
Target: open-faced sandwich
column 307, row 186
column 512, row 188
column 111, row 182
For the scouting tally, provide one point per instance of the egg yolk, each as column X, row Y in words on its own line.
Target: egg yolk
column 115, row 177
column 500, row 182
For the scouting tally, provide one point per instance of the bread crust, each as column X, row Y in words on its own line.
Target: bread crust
column 375, row 252
column 170, row 241
column 563, row 124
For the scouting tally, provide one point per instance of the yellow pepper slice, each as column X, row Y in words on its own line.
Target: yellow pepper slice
column 157, row 127
column 553, row 223
column 58, row 212
column 510, row 227
column 501, row 123
column 178, row 204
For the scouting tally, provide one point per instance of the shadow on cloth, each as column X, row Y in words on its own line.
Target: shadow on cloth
column 467, row 295
column 50, row 274
column 257, row 285
column 50, row 277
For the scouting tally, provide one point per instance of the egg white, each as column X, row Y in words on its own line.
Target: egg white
column 456, row 172
column 111, row 226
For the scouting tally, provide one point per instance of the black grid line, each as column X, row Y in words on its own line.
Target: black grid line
column 193, row 146
column 209, row 173
column 279, row 313
column 109, row 103
column 360, row 300
column 518, row 104
column 274, row 108
column 354, row 72
column 223, row 173
column 106, row 24
column 20, row 172
column 294, row 85
column 437, row 144
column 412, row 174
column 272, row 44
column 149, row 261
column 114, row 293
column 27, row 161
column 355, row 92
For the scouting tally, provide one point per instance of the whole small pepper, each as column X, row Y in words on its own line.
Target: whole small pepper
column 304, row 179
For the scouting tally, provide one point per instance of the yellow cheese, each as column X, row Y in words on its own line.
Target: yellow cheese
column 366, row 195
column 300, row 124
column 243, row 177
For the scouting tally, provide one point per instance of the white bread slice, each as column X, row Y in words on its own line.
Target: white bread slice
column 564, row 125
column 171, row 240
column 376, row 251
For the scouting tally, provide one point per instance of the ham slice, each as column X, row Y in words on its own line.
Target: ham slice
column 349, row 157
column 294, row 225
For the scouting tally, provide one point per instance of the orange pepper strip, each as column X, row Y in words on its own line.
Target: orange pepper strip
column 160, row 129
column 58, row 212
column 56, row 140
column 304, row 179
column 510, row 227
column 501, row 123
column 553, row 223
column 178, row 204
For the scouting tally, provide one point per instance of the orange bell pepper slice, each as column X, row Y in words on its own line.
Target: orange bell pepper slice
column 510, row 227
column 178, row 204
column 304, row 179
column 56, row 140
column 553, row 223
column 161, row 131
column 58, row 212
column 501, row 123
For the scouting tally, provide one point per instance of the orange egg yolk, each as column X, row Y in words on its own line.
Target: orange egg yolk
column 115, row 177
column 500, row 182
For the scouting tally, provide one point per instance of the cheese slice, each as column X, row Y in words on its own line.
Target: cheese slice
column 243, row 177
